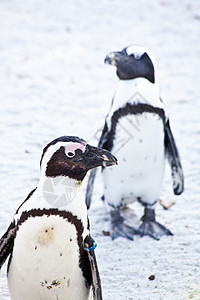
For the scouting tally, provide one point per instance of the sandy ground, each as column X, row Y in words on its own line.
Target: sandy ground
column 53, row 82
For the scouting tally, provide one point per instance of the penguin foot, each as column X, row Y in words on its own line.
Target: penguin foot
column 119, row 228
column 151, row 227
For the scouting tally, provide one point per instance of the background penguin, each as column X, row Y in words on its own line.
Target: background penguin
column 46, row 238
column 137, row 130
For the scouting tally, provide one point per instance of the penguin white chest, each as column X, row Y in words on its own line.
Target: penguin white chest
column 139, row 146
column 45, row 261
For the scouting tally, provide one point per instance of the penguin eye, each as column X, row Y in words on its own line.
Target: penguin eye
column 70, row 154
column 71, row 149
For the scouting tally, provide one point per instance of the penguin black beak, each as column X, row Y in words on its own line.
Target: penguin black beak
column 95, row 157
column 113, row 58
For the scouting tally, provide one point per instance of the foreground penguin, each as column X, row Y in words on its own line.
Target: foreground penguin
column 137, row 130
column 49, row 243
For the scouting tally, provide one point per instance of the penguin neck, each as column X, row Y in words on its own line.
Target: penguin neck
column 61, row 191
column 136, row 91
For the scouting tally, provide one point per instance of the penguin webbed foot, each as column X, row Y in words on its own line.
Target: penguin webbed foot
column 119, row 228
column 152, row 228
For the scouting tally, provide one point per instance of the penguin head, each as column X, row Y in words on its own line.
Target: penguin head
column 73, row 157
column 133, row 62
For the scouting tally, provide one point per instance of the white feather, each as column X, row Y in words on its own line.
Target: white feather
column 138, row 146
column 45, row 262
column 45, row 259
column 140, row 160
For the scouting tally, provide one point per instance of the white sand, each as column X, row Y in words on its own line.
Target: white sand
column 53, row 82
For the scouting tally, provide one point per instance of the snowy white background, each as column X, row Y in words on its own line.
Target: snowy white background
column 53, row 82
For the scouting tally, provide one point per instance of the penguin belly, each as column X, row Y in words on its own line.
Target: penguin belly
column 45, row 261
column 139, row 147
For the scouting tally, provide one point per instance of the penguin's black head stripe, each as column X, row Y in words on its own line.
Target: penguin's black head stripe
column 60, row 165
column 73, row 158
column 131, row 66
column 73, row 139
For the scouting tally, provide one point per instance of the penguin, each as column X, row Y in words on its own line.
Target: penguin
column 51, row 253
column 137, row 130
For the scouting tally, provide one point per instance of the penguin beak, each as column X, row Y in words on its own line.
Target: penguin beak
column 95, row 157
column 114, row 57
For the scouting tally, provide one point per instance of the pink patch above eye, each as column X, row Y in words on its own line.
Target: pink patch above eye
column 72, row 147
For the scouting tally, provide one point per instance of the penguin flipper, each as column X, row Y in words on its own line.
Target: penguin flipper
column 96, row 281
column 174, row 161
column 6, row 243
column 90, row 184
column 104, row 137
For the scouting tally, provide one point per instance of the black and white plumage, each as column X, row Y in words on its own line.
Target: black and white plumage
column 137, row 131
column 49, row 235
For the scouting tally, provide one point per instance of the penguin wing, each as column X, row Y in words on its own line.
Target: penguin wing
column 174, row 161
column 96, row 281
column 7, row 242
column 90, row 184
column 104, row 135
